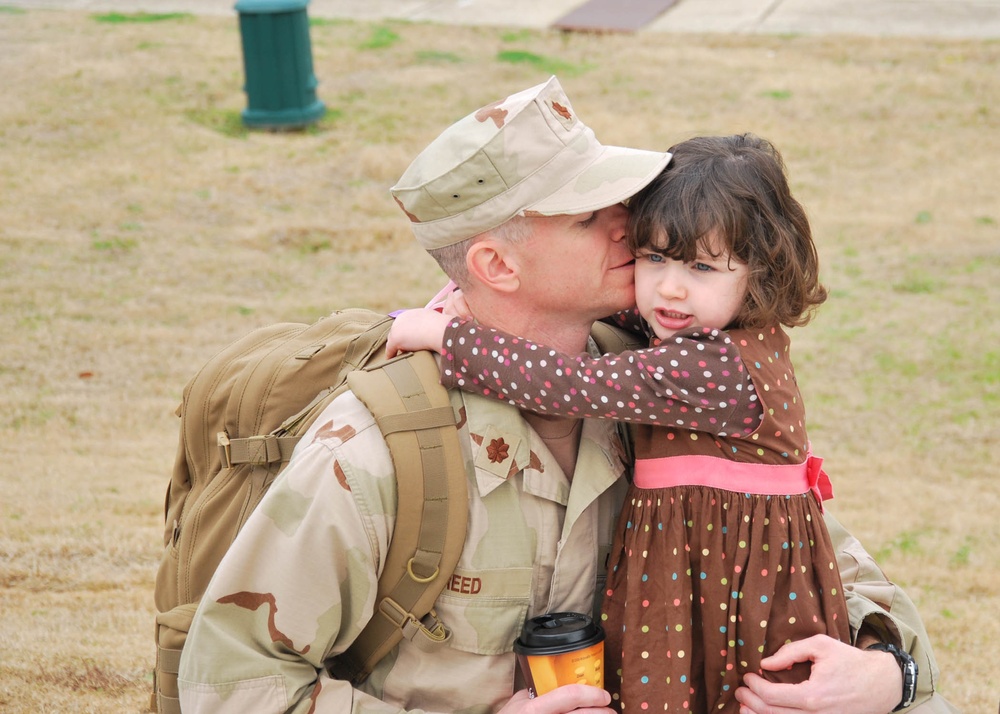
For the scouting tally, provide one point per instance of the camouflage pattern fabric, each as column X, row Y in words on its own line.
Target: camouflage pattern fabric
column 299, row 582
column 527, row 154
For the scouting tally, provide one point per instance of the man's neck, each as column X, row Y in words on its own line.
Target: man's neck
column 560, row 334
column 561, row 435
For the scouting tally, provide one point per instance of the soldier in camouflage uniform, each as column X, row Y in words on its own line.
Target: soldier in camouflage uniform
column 522, row 207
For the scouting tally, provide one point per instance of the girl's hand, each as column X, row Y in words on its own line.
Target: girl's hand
column 413, row 330
column 451, row 301
column 455, row 304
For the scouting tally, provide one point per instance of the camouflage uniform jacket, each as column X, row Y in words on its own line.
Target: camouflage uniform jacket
column 299, row 582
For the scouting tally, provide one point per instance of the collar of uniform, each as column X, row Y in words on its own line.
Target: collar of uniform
column 500, row 440
column 503, row 444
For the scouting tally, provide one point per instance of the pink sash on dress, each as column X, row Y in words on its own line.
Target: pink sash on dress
column 711, row 471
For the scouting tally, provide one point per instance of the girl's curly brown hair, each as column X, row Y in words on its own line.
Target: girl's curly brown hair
column 734, row 186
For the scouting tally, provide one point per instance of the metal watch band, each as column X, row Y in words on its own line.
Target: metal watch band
column 907, row 666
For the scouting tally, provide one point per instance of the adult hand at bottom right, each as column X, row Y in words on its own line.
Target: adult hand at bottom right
column 843, row 679
column 576, row 698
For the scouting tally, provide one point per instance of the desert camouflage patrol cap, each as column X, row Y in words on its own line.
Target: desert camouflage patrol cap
column 528, row 154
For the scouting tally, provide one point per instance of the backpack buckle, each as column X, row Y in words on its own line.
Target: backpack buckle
column 397, row 614
column 253, row 450
column 432, row 635
column 225, row 453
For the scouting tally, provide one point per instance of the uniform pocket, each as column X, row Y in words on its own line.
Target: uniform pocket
column 485, row 609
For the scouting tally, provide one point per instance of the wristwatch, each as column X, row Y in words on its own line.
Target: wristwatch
column 907, row 666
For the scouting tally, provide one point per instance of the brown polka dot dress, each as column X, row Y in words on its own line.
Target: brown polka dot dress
column 721, row 553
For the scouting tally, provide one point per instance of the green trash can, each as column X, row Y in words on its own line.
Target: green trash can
column 277, row 62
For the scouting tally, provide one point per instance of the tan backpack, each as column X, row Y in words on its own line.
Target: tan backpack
column 242, row 415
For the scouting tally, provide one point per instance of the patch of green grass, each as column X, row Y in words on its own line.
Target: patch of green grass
column 892, row 364
column 549, row 65
column 37, row 416
column 961, row 556
column 907, row 542
column 435, row 56
column 924, row 217
column 350, row 96
column 980, row 263
column 307, row 241
column 227, row 122
column 115, row 244
column 325, row 122
column 986, row 221
column 8, row 10
column 990, row 372
column 380, row 38
column 917, row 283
column 515, row 36
column 326, row 22
column 778, row 94
column 316, row 246
column 313, row 243
column 851, row 251
column 118, row 18
column 32, row 321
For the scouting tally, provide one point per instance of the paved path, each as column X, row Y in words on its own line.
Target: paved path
column 912, row 18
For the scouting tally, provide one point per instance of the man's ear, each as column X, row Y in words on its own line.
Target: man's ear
column 494, row 264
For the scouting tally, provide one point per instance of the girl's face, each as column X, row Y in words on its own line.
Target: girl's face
column 674, row 296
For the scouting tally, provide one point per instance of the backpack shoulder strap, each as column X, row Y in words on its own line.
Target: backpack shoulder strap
column 416, row 418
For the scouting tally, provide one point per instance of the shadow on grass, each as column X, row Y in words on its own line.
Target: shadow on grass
column 229, row 122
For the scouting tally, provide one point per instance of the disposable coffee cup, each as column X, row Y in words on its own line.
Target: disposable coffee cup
column 560, row 648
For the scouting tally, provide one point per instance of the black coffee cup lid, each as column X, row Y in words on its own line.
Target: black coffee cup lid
column 558, row 632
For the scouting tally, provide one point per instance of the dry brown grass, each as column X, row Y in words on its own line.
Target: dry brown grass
column 139, row 235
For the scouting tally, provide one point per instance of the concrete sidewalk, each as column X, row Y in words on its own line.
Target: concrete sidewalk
column 888, row 18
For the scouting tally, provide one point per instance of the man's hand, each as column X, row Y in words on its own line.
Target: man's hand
column 843, row 679
column 576, row 698
column 420, row 329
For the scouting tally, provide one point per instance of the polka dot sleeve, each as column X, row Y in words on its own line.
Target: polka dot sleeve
column 695, row 380
column 629, row 320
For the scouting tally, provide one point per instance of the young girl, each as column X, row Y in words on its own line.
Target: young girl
column 721, row 555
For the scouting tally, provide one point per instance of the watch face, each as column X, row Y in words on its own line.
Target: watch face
column 909, row 681
column 909, row 669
